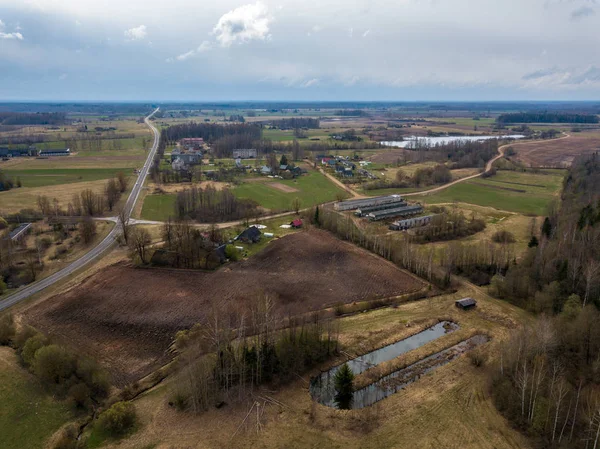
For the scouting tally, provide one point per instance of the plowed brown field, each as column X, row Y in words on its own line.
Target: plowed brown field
column 126, row 318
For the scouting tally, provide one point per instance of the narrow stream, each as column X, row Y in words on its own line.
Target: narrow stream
column 322, row 387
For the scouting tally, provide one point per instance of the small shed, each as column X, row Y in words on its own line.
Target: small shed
column 297, row 223
column 466, row 303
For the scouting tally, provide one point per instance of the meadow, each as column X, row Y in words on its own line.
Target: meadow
column 158, row 207
column 312, row 188
column 525, row 193
column 24, row 402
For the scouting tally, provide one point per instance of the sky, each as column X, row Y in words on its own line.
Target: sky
column 228, row 50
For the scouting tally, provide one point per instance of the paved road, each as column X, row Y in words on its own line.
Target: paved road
column 105, row 244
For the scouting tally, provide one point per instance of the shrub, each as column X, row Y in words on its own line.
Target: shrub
column 53, row 364
column 118, row 419
column 232, row 253
column 2, row 286
column 80, row 395
column 503, row 236
column 93, row 376
column 7, row 328
column 30, row 348
column 477, row 357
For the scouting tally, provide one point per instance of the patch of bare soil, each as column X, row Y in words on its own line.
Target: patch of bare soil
column 126, row 318
column 282, row 187
column 390, row 156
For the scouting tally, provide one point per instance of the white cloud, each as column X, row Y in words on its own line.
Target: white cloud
column 9, row 36
column 366, row 33
column 187, row 55
column 310, row 83
column 243, row 24
column 63, row 77
column 14, row 36
column 204, row 47
column 136, row 34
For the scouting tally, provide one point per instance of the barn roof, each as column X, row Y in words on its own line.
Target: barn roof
column 466, row 302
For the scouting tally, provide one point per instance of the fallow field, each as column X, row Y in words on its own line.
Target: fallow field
column 126, row 318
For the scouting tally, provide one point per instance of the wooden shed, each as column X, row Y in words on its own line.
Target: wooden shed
column 466, row 303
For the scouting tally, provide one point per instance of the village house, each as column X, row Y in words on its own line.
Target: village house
column 250, row 235
column 192, row 143
column 245, row 153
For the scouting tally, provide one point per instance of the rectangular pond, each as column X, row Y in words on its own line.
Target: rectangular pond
column 322, row 387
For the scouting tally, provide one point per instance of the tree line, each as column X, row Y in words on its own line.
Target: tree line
column 546, row 117
column 565, row 260
column 210, row 132
column 295, row 123
column 35, row 118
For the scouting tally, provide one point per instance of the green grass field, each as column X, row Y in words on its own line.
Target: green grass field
column 58, row 176
column 28, row 415
column 525, row 193
column 313, row 188
column 158, row 207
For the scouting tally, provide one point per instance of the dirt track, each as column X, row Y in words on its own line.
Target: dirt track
column 126, row 318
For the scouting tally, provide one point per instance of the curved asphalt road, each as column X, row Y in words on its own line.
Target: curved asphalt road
column 105, row 244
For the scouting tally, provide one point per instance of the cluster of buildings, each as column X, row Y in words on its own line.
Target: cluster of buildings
column 384, row 207
column 294, row 170
column 345, row 167
column 188, row 152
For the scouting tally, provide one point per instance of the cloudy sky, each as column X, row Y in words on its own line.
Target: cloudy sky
column 196, row 50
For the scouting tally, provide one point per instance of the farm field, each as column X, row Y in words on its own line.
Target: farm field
column 524, row 193
column 58, row 176
column 447, row 408
column 14, row 200
column 93, row 160
column 558, row 153
column 126, row 318
column 24, row 402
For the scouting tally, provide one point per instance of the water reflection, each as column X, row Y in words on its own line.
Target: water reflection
column 323, row 388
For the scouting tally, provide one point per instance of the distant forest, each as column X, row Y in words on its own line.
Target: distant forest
column 295, row 123
column 38, row 118
column 546, row 117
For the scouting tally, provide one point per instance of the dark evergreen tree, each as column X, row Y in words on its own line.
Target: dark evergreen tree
column 344, row 388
